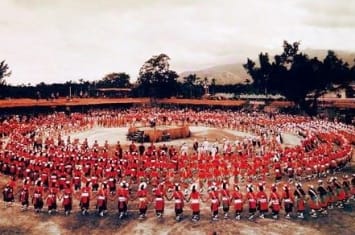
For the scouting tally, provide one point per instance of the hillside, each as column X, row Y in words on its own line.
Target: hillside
column 235, row 73
column 224, row 74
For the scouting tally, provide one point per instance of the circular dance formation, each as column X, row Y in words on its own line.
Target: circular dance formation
column 255, row 174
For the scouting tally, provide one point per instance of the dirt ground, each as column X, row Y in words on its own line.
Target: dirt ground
column 13, row 221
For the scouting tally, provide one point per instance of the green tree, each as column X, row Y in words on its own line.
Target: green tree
column 297, row 77
column 191, row 87
column 188, row 86
column 114, row 80
column 213, row 86
column 4, row 72
column 156, row 80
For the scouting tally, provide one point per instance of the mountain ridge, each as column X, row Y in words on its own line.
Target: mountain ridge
column 234, row 73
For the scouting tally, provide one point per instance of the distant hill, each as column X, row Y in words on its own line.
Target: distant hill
column 224, row 74
column 346, row 56
column 235, row 73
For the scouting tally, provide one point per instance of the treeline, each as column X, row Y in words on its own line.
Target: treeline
column 90, row 89
column 299, row 77
column 155, row 80
column 292, row 74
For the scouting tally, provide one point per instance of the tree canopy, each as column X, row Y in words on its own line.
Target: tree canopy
column 156, row 79
column 191, row 86
column 297, row 77
column 114, row 80
column 4, row 72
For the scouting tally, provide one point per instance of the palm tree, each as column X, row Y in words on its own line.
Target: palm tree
column 4, row 72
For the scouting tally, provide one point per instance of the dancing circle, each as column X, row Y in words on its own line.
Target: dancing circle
column 264, row 163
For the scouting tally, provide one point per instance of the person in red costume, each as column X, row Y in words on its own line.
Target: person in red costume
column 94, row 183
column 85, row 199
column 101, row 201
column 159, row 200
column 288, row 201
column 142, row 195
column 213, row 195
column 299, row 195
column 112, row 185
column 24, row 197
column 274, row 202
column 323, row 198
column 237, row 199
column 339, row 192
column 179, row 202
column 226, row 199
column 251, row 197
column 67, row 198
column 37, row 198
column 314, row 201
column 262, row 201
column 52, row 200
column 8, row 194
column 122, row 204
column 331, row 194
column 77, row 180
column 195, row 203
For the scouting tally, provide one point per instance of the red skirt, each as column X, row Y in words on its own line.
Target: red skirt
column 300, row 205
column 238, row 205
column 313, row 204
column 195, row 207
column 275, row 207
column 341, row 195
column 159, row 204
column 142, row 203
column 214, row 206
column 263, row 204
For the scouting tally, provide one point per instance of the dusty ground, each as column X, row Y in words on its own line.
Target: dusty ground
column 13, row 221
column 112, row 135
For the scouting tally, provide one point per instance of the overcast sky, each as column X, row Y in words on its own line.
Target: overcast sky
column 62, row 40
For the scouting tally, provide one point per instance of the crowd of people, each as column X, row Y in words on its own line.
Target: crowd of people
column 257, row 171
